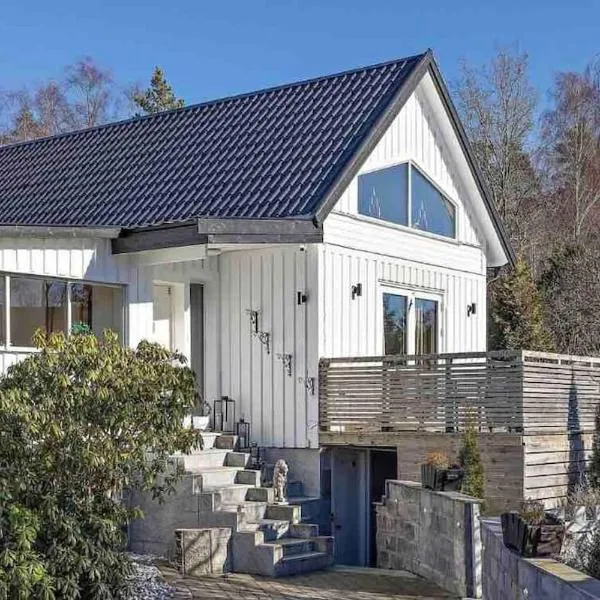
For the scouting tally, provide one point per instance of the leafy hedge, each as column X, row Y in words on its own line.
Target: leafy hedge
column 77, row 421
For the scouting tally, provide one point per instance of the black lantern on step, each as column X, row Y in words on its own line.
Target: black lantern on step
column 242, row 431
column 254, row 456
column 224, row 414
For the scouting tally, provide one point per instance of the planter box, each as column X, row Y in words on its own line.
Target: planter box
column 441, row 480
column 532, row 540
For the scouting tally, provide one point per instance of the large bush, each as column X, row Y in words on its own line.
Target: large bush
column 77, row 422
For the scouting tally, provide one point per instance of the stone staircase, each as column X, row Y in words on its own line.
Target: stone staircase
column 219, row 491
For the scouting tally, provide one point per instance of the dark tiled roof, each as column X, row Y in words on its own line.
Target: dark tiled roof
column 272, row 153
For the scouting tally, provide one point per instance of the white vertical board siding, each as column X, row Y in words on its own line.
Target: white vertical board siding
column 275, row 403
column 412, row 136
column 378, row 254
column 355, row 327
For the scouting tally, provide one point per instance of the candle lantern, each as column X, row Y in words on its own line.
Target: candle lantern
column 254, row 456
column 224, row 414
column 242, row 431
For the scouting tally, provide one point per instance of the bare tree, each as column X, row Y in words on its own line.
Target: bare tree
column 92, row 94
column 86, row 97
column 571, row 150
column 497, row 104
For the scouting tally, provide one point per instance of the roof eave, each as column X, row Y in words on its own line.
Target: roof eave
column 59, row 231
column 470, row 156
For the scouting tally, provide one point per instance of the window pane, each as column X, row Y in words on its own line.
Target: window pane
column 394, row 323
column 431, row 211
column 34, row 304
column 98, row 307
column 384, row 194
column 426, row 326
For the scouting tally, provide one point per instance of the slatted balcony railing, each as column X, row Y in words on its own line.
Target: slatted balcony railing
column 497, row 391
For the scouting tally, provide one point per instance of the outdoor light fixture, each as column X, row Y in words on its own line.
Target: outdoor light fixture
column 356, row 290
column 254, row 456
column 224, row 414
column 253, row 314
column 471, row 309
column 302, row 298
column 242, row 431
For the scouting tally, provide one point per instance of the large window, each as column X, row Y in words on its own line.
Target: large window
column 55, row 305
column 34, row 304
column 99, row 307
column 410, row 323
column 402, row 194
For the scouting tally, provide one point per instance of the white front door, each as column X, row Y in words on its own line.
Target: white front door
column 162, row 325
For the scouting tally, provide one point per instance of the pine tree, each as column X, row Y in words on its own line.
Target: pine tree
column 594, row 466
column 159, row 96
column 516, row 312
column 470, row 460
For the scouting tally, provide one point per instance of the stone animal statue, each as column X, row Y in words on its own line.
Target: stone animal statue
column 279, row 480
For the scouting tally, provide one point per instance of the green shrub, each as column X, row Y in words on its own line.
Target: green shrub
column 470, row 460
column 77, row 420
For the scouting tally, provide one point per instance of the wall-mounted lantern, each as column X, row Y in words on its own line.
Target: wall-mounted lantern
column 471, row 309
column 356, row 290
column 302, row 298
column 224, row 414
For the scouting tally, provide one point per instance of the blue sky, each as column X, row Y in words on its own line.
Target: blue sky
column 213, row 49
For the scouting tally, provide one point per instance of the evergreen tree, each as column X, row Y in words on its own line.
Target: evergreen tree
column 470, row 460
column 517, row 312
column 159, row 96
column 594, row 466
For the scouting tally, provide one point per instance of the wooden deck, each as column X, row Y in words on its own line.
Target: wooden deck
column 498, row 391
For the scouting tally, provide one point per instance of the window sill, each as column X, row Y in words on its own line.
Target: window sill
column 19, row 349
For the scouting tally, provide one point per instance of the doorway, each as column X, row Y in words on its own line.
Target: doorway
column 197, row 335
column 383, row 466
column 358, row 477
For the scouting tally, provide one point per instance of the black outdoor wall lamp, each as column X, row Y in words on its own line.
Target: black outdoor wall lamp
column 471, row 309
column 356, row 290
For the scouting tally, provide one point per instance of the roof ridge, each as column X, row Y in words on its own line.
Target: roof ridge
column 216, row 101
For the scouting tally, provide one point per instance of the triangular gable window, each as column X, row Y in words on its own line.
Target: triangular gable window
column 402, row 194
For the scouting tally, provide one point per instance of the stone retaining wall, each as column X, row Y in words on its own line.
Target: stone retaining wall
column 433, row 534
column 507, row 576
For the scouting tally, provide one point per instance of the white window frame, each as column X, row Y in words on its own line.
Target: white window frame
column 409, row 227
column 7, row 346
column 411, row 294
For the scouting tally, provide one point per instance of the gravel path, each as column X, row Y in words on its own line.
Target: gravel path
column 148, row 582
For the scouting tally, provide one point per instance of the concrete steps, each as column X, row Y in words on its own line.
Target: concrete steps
column 220, row 491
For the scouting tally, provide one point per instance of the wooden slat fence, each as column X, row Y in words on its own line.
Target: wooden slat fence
column 499, row 391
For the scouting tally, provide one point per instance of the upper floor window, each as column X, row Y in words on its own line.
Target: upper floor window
column 402, row 194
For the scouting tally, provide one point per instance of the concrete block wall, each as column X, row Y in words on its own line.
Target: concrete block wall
column 203, row 551
column 433, row 534
column 507, row 576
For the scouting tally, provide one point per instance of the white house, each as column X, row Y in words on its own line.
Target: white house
column 258, row 234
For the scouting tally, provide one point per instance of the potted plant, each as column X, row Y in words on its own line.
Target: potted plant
column 437, row 474
column 533, row 531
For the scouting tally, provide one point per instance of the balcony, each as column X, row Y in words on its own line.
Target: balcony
column 507, row 391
